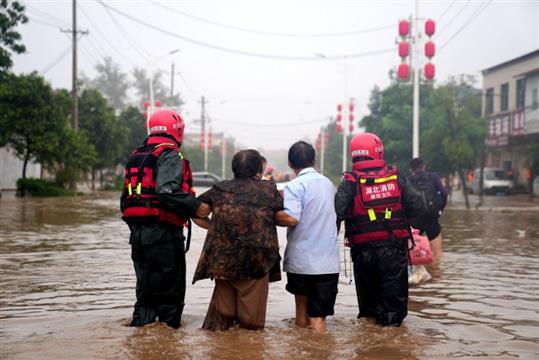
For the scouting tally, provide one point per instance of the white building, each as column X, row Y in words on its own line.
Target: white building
column 11, row 169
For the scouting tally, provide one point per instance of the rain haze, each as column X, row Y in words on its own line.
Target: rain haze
column 271, row 71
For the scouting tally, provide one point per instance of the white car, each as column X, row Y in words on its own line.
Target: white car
column 494, row 181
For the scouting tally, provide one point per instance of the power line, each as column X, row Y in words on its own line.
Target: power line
column 271, row 125
column 270, row 33
column 139, row 49
column 242, row 52
column 455, row 16
column 446, row 10
column 43, row 22
column 473, row 17
column 46, row 15
column 105, row 38
column 56, row 60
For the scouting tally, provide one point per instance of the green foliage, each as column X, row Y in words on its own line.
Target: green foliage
column 451, row 129
column 32, row 117
column 134, row 123
column 160, row 90
column 112, row 83
column 333, row 154
column 36, row 187
column 102, row 128
column 11, row 14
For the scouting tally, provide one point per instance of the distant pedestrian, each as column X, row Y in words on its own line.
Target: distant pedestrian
column 435, row 195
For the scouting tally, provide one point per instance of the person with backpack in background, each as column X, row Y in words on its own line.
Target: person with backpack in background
column 375, row 201
column 429, row 185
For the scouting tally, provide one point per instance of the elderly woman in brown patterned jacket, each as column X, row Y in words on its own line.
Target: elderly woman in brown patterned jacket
column 241, row 251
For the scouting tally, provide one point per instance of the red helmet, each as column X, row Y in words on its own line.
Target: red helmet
column 367, row 145
column 166, row 121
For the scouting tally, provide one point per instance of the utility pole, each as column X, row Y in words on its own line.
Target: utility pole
column 74, row 91
column 203, row 128
column 415, row 59
column 322, row 148
column 172, row 81
column 223, row 158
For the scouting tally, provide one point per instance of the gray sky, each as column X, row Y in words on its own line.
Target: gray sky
column 251, row 97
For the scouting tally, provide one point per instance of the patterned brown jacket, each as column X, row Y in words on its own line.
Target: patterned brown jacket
column 241, row 242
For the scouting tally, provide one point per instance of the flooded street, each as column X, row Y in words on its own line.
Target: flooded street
column 67, row 290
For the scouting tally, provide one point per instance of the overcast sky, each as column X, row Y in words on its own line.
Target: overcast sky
column 287, row 81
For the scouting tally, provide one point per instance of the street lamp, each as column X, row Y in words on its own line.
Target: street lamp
column 151, row 64
column 345, row 90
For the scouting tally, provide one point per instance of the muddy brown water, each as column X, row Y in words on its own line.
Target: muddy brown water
column 67, row 288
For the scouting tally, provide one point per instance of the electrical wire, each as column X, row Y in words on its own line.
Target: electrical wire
column 472, row 18
column 454, row 17
column 269, row 33
column 43, row 22
column 46, row 15
column 271, row 125
column 136, row 46
column 126, row 58
column 56, row 60
column 242, row 52
column 446, row 11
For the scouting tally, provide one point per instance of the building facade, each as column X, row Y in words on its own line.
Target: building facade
column 511, row 108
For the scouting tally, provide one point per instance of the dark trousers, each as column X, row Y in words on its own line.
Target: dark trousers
column 381, row 279
column 160, row 271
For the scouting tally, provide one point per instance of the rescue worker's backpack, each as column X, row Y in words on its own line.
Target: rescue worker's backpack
column 430, row 196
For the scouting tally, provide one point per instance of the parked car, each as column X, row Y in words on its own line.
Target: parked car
column 202, row 178
column 494, row 181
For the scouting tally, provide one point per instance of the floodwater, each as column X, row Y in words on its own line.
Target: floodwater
column 67, row 288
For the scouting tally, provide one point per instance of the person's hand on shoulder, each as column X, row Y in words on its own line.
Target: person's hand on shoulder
column 203, row 211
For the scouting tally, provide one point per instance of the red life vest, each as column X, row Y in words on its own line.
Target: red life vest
column 142, row 204
column 377, row 213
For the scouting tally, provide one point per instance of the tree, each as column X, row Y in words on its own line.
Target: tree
column 160, row 91
column 11, row 14
column 32, row 118
column 103, row 129
column 133, row 121
column 112, row 83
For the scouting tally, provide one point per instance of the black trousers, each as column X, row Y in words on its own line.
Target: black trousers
column 160, row 271
column 381, row 279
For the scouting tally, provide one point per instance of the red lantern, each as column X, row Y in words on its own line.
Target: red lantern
column 338, row 127
column 404, row 28
column 429, row 71
column 351, row 127
column 403, row 71
column 158, row 103
column 339, row 107
column 430, row 49
column 351, row 107
column 146, row 104
column 339, row 117
column 404, row 49
column 351, row 117
column 430, row 27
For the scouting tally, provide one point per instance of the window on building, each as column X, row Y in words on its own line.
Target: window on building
column 489, row 98
column 521, row 91
column 504, row 97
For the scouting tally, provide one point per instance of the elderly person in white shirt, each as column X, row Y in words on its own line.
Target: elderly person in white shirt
column 311, row 258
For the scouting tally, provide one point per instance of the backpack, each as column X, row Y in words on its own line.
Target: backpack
column 431, row 197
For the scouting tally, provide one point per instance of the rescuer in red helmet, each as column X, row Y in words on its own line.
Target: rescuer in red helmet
column 157, row 202
column 375, row 201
